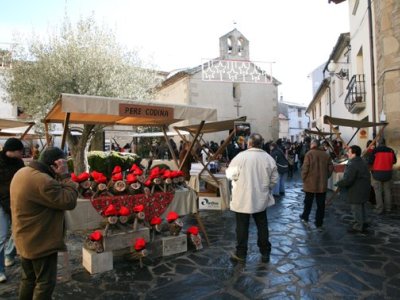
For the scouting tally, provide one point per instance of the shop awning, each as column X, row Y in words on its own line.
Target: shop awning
column 351, row 123
column 8, row 123
column 83, row 109
column 212, row 126
column 12, row 124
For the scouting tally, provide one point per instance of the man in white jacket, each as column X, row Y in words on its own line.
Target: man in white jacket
column 253, row 173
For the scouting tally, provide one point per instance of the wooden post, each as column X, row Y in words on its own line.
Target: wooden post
column 64, row 136
column 27, row 130
column 169, row 146
column 46, row 131
column 192, row 144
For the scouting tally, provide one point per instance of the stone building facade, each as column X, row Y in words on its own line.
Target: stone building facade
column 387, row 49
column 232, row 96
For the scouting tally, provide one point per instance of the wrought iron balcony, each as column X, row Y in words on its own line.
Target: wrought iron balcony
column 355, row 98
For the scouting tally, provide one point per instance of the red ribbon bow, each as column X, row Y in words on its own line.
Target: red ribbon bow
column 95, row 236
column 138, row 208
column 140, row 244
column 124, row 211
column 130, row 178
column 117, row 169
column 81, row 177
column 155, row 221
column 99, row 177
column 172, row 216
column 193, row 230
column 110, row 211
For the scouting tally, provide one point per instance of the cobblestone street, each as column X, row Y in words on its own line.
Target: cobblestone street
column 305, row 263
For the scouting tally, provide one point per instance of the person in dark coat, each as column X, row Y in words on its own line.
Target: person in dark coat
column 355, row 187
column 10, row 162
column 317, row 168
column 283, row 167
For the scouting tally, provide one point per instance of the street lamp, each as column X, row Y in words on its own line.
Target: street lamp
column 342, row 74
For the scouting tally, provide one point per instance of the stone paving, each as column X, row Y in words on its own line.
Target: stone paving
column 305, row 263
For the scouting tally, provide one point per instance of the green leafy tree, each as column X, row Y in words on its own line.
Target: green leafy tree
column 85, row 59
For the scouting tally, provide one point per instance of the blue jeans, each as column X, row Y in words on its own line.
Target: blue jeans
column 7, row 248
column 279, row 187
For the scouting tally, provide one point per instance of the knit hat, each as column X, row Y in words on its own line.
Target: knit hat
column 50, row 155
column 13, row 144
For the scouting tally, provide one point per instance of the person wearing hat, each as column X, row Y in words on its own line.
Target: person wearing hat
column 10, row 162
column 40, row 193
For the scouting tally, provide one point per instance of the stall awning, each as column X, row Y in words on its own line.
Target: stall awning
column 8, row 123
column 85, row 109
column 320, row 133
column 351, row 123
column 212, row 126
column 11, row 124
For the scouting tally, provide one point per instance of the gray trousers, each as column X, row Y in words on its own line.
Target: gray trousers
column 385, row 200
column 359, row 215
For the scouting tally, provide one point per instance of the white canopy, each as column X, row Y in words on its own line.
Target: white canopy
column 83, row 109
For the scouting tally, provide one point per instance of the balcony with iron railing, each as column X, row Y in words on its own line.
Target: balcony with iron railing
column 355, row 98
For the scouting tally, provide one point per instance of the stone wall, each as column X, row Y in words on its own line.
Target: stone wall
column 387, row 49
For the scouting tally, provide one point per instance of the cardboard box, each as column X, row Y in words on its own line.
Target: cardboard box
column 97, row 262
column 168, row 245
column 125, row 239
column 210, row 203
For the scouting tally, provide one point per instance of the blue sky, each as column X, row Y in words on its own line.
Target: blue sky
column 297, row 35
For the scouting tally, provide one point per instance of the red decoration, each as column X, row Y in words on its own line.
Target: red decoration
column 81, row 177
column 167, row 174
column 99, row 177
column 155, row 221
column 136, row 170
column 193, row 230
column 130, row 178
column 154, row 205
column 95, row 236
column 110, row 211
column 138, row 208
column 172, row 216
column 117, row 169
column 140, row 244
column 124, row 211
column 147, row 182
column 117, row 176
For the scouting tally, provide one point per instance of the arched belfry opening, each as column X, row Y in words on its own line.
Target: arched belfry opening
column 234, row 46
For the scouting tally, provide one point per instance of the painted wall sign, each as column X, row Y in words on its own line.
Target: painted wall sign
column 145, row 111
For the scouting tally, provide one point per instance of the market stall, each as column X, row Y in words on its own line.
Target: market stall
column 218, row 180
column 83, row 109
column 357, row 125
column 6, row 124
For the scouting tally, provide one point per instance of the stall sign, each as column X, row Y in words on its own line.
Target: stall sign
column 210, row 203
column 146, row 111
column 363, row 133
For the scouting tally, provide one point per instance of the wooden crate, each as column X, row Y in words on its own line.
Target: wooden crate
column 168, row 245
column 97, row 262
column 125, row 239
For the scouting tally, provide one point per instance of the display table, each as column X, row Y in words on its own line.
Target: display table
column 337, row 174
column 223, row 185
column 85, row 216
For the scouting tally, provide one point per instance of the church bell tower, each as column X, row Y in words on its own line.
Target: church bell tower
column 234, row 46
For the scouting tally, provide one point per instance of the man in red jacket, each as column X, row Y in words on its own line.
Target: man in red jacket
column 381, row 161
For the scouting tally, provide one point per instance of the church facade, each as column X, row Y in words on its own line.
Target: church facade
column 232, row 84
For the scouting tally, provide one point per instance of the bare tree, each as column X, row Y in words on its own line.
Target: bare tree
column 85, row 59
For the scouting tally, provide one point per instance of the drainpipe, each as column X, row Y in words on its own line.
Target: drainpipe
column 372, row 59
